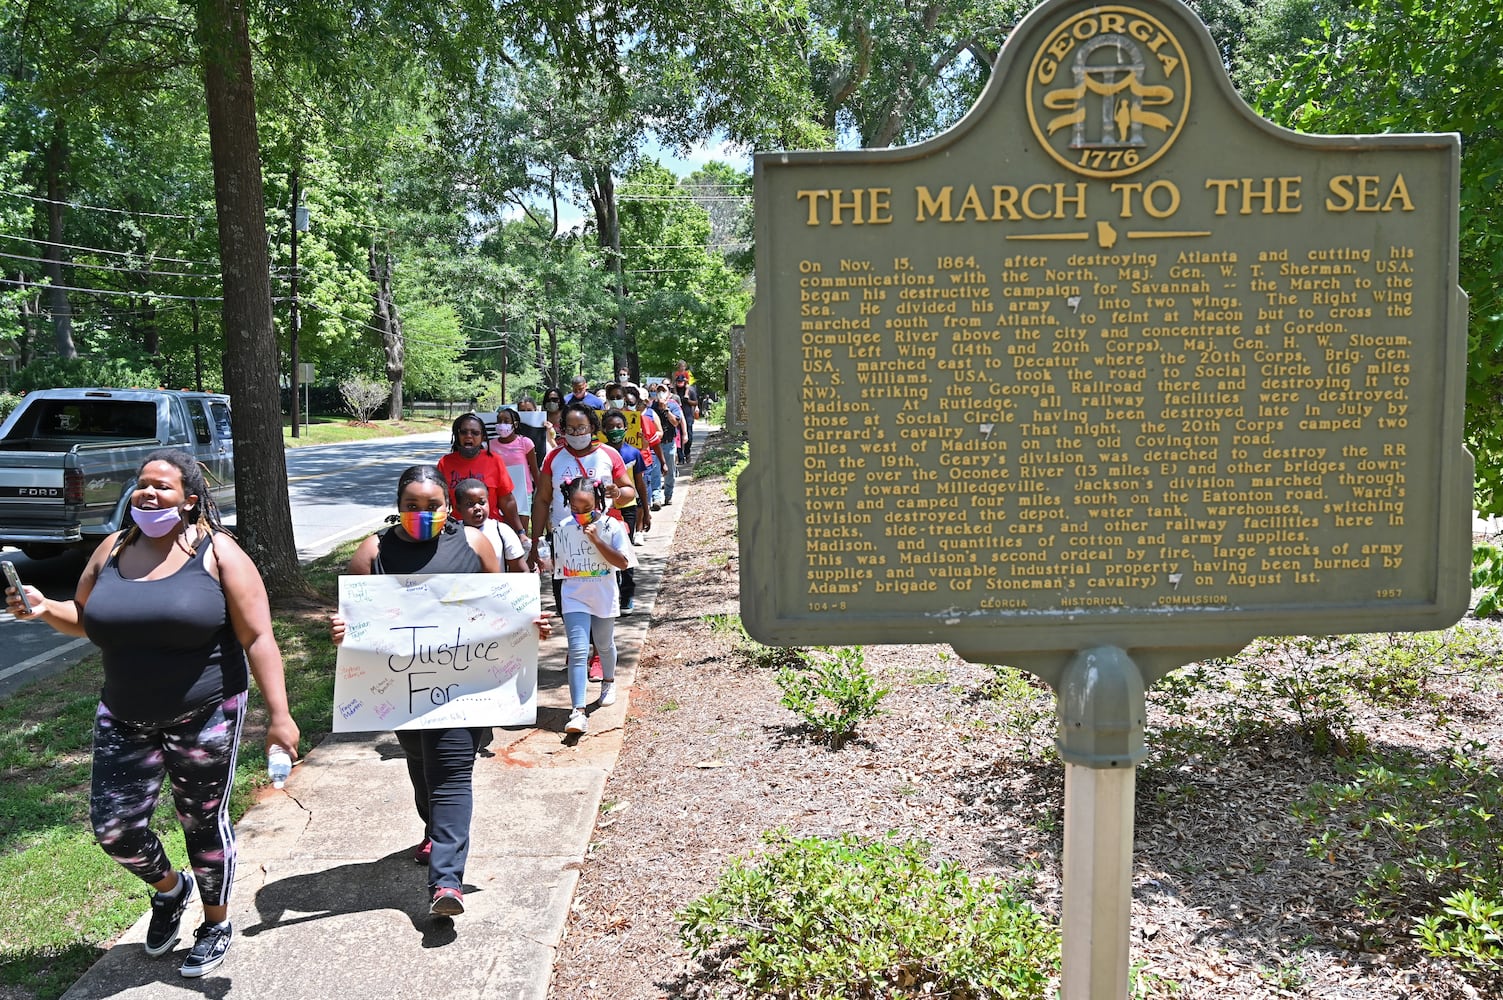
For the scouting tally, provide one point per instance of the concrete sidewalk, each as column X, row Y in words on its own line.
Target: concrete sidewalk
column 328, row 902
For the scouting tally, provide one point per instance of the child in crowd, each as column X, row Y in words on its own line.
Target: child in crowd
column 472, row 501
column 589, row 547
column 518, row 454
column 614, row 427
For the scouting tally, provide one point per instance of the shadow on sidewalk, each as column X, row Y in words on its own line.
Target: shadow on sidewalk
column 390, row 883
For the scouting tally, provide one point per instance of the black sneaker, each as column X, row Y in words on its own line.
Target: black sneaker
column 167, row 916
column 212, row 941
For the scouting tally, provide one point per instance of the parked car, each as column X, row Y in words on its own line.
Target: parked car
column 68, row 459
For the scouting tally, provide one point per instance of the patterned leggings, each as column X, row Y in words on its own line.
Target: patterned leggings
column 197, row 753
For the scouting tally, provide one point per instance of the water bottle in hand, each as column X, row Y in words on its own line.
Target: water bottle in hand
column 278, row 765
column 545, row 556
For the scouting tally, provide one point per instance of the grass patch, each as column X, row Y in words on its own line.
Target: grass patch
column 339, row 428
column 724, row 454
column 723, row 451
column 755, row 653
column 57, row 926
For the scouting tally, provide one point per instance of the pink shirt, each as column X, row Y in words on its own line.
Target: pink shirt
column 513, row 454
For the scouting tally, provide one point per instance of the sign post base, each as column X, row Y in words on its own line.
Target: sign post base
column 1101, row 711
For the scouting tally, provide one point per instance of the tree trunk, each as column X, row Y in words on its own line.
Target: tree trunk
column 384, row 319
column 537, row 348
column 53, row 253
column 558, row 376
column 30, row 306
column 251, row 354
column 602, row 188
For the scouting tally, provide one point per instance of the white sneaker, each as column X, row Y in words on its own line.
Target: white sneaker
column 607, row 692
column 578, row 722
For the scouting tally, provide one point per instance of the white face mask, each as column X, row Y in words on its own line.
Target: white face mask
column 579, row 442
column 614, row 404
column 663, row 396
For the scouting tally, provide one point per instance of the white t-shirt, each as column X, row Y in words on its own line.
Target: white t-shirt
column 589, row 581
column 504, row 540
column 602, row 465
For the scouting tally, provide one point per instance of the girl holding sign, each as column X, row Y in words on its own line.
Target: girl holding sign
column 440, row 762
column 589, row 547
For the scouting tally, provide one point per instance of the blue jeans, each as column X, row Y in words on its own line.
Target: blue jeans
column 441, row 763
column 670, row 473
column 581, row 627
column 654, row 480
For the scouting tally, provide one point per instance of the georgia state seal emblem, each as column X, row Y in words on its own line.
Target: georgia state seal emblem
column 1108, row 91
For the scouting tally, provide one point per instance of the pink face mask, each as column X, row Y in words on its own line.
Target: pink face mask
column 156, row 523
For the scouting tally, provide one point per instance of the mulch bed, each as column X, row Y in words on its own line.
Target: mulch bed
column 1226, row 901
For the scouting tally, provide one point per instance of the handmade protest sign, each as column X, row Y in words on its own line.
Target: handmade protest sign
column 437, row 650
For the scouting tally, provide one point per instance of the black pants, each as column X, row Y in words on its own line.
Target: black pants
column 441, row 764
column 626, row 579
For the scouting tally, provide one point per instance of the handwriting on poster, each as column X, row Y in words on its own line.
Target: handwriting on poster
column 423, row 652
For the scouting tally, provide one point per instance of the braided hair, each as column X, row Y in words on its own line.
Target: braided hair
column 195, row 483
column 584, row 484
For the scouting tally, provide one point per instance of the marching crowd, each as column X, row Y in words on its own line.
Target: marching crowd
column 183, row 621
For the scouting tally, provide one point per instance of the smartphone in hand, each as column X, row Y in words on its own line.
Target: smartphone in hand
column 14, row 579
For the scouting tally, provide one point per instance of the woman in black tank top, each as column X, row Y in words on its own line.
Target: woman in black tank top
column 440, row 762
column 179, row 611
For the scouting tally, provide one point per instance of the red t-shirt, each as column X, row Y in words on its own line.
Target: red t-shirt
column 485, row 467
column 652, row 432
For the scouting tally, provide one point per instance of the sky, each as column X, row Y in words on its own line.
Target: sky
column 571, row 215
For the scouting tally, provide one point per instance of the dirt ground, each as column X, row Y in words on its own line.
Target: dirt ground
column 1227, row 903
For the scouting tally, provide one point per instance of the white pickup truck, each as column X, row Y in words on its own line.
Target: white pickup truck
column 68, row 458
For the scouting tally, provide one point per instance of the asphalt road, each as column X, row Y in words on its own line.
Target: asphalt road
column 338, row 492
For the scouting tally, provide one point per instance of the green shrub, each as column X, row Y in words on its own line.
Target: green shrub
column 824, row 919
column 1487, row 576
column 1468, row 930
column 1432, row 830
column 754, row 652
column 8, row 403
column 113, row 373
column 1026, row 704
column 833, row 693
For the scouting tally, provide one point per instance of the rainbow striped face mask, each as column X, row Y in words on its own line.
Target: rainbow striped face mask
column 587, row 518
column 423, row 525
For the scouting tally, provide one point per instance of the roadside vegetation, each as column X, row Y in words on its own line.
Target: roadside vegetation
column 324, row 429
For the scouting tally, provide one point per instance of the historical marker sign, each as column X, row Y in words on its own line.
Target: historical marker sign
column 1112, row 362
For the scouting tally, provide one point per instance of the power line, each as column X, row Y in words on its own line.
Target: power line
column 688, row 199
column 366, row 324
column 107, row 291
column 107, row 267
column 114, row 253
column 98, row 208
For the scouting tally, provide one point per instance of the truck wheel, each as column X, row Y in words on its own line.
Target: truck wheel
column 42, row 551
